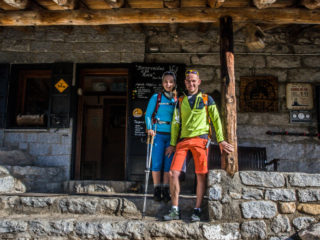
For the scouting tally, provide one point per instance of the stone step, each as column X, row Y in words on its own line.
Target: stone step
column 92, row 186
column 123, row 205
column 100, row 227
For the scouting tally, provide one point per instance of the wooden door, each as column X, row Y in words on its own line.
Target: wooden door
column 101, row 125
column 113, row 164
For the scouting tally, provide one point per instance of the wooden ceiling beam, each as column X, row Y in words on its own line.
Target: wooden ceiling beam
column 263, row 3
column 58, row 4
column 215, row 3
column 171, row 3
column 17, row 4
column 311, row 4
column 164, row 15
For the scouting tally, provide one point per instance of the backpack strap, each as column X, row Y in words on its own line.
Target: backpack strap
column 153, row 117
column 205, row 101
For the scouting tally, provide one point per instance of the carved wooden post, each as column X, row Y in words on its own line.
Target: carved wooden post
column 228, row 94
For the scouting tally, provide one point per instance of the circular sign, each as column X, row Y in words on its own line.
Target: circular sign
column 137, row 112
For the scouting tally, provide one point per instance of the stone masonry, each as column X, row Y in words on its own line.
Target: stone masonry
column 266, row 205
column 290, row 58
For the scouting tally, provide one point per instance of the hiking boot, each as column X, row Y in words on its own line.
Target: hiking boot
column 173, row 215
column 157, row 194
column 166, row 194
column 195, row 217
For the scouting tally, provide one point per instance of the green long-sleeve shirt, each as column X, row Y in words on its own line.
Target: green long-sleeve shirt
column 193, row 120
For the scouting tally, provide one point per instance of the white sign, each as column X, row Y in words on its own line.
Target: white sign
column 299, row 96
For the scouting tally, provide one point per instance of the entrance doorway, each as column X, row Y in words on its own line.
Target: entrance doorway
column 101, row 127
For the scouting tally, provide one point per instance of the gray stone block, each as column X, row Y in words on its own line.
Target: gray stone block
column 54, row 160
column 283, row 61
column 60, row 149
column 214, row 177
column 215, row 210
column 49, row 138
column 12, row 225
column 313, row 232
column 309, row 195
column 37, row 149
column 254, row 230
column 304, row 180
column 252, row 194
column 13, row 137
column 302, row 222
column 221, row 232
column 311, row 61
column 31, row 137
column 15, row 45
column 131, row 57
column 212, row 60
column 262, row 179
column 23, row 146
column 280, row 223
column 247, row 61
column 299, row 75
column 215, row 192
column 284, row 195
column 259, row 209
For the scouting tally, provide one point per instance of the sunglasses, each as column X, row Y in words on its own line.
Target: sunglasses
column 192, row 72
column 169, row 73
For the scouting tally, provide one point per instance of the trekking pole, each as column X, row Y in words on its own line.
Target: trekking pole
column 147, row 171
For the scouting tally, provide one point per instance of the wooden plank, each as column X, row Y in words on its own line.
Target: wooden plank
column 17, row 4
column 229, row 162
column 166, row 15
column 53, row 4
column 5, row 6
column 215, row 3
column 145, row 3
column 103, row 4
column 193, row 3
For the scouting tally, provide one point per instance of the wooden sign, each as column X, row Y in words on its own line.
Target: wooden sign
column 299, row 96
column 259, row 94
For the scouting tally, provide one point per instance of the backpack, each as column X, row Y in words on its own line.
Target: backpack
column 153, row 117
column 205, row 101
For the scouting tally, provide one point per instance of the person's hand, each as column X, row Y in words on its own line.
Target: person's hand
column 170, row 150
column 226, row 147
column 151, row 132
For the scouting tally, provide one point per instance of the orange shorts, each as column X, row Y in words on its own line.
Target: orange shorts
column 197, row 146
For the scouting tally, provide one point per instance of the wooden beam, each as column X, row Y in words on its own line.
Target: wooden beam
column 171, row 3
column 57, row 4
column 104, row 4
column 215, row 3
column 311, row 4
column 260, row 4
column 17, row 4
column 229, row 162
column 165, row 15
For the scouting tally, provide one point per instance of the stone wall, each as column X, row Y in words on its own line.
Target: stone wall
column 265, row 205
column 290, row 56
column 48, row 148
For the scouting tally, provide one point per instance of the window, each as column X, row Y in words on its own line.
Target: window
column 34, row 100
column 33, row 97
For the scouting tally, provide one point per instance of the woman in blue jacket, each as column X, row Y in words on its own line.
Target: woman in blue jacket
column 161, row 116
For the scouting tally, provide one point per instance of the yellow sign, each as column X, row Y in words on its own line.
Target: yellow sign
column 137, row 112
column 61, row 85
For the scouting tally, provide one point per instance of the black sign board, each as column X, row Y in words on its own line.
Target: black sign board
column 145, row 80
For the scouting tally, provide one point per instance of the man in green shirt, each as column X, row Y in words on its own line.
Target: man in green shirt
column 191, row 121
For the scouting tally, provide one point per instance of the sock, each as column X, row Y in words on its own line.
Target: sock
column 156, row 185
column 176, row 208
column 199, row 209
column 165, row 185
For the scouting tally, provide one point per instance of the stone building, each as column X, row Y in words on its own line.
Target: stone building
column 66, row 101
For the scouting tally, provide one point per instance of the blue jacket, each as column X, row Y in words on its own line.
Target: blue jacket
column 165, row 113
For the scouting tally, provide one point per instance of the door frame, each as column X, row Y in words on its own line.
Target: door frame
column 103, row 71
